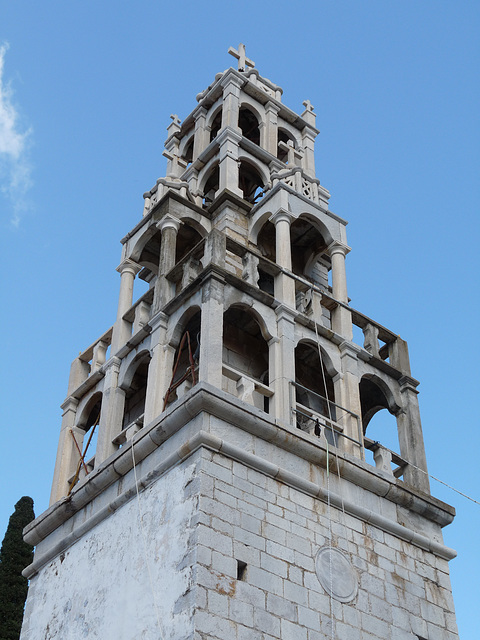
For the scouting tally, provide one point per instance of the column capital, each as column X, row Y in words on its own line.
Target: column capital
column 281, row 216
column 338, row 247
column 169, row 222
column 128, row 266
column 408, row 383
column 272, row 107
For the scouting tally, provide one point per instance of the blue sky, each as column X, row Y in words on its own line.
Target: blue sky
column 86, row 91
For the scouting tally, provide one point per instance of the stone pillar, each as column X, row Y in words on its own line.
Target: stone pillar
column 341, row 317
column 164, row 289
column 282, row 364
column 202, row 136
column 410, row 435
column 308, row 158
column 67, row 454
column 284, row 284
column 347, row 394
column 231, row 101
column 309, row 133
column 121, row 329
column 271, row 128
column 211, row 332
column 228, row 161
column 111, row 416
column 160, row 368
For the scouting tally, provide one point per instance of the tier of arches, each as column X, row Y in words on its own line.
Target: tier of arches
column 247, row 374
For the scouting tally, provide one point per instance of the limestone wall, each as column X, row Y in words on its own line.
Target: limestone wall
column 401, row 592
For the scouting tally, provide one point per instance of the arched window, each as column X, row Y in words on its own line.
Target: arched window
column 378, row 417
column 283, row 136
column 188, row 153
column 250, row 182
column 211, row 187
column 315, row 394
column 248, row 123
column 245, row 358
column 136, row 394
column 307, row 242
column 185, row 364
column 216, row 125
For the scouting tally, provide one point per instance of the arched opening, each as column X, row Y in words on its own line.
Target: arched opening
column 266, row 243
column 250, row 182
column 307, row 243
column 185, row 364
column 285, row 137
column 315, row 393
column 379, row 417
column 245, row 358
column 211, row 187
column 248, row 123
column 187, row 238
column 136, row 394
column 89, row 422
column 216, row 125
column 188, row 152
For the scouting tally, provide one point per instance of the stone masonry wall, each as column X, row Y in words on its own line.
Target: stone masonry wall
column 102, row 586
column 403, row 592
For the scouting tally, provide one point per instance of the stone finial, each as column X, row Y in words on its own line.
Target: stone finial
column 243, row 61
column 308, row 115
column 174, row 126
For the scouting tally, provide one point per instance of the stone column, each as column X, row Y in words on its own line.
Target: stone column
column 164, row 289
column 282, row 364
column 111, row 416
column 67, row 454
column 202, row 137
column 228, row 161
column 121, row 329
column 160, row 368
column 341, row 317
column 410, row 435
column 284, row 284
column 231, row 101
column 211, row 332
column 347, row 394
column 271, row 128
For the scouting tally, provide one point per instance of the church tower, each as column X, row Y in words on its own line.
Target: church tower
column 212, row 480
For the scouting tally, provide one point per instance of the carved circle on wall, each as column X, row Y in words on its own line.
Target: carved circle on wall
column 336, row 574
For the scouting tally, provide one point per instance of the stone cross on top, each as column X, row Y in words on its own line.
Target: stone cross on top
column 243, row 61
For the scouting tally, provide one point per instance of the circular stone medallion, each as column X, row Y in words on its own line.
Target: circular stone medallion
column 336, row 574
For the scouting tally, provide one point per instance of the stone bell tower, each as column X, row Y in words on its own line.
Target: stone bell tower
column 211, row 478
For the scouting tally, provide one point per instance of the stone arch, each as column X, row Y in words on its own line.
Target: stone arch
column 90, row 412
column 307, row 245
column 245, row 356
column 284, row 136
column 375, row 395
column 135, row 387
column 245, row 338
column 314, row 385
column 215, row 122
column 250, row 181
column 186, row 148
column 249, row 122
column 146, row 251
column 89, row 419
column 188, row 236
column 209, row 183
column 186, row 351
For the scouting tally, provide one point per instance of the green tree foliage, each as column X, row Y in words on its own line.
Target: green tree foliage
column 15, row 555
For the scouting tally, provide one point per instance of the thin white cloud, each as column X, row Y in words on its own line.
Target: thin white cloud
column 15, row 170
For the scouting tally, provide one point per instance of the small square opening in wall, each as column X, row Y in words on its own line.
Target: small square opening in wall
column 241, row 570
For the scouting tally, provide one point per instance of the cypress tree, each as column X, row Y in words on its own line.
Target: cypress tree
column 15, row 555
